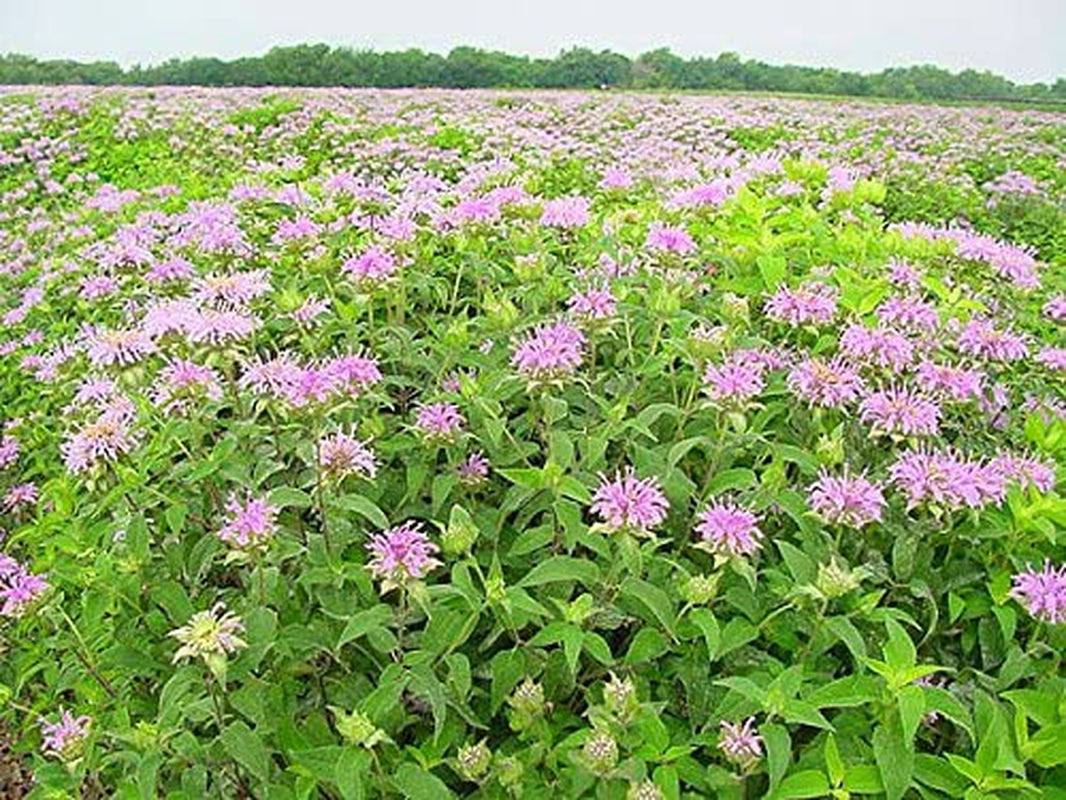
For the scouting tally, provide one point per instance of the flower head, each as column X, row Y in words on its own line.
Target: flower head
column 1042, row 593
column 851, row 501
column 740, row 742
column 728, row 529
column 250, row 525
column 630, row 503
column 900, row 411
column 209, row 635
column 64, row 739
column 440, row 421
column 550, row 352
column 833, row 384
column 340, row 455
column 400, row 554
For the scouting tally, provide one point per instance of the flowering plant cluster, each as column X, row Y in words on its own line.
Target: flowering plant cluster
column 512, row 445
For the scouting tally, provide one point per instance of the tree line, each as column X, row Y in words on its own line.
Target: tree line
column 576, row 68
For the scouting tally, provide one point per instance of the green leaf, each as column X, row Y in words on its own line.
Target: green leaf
column 652, row 598
column 353, row 764
column 244, row 747
column 863, row 779
column 833, row 762
column 364, row 507
column 526, row 478
column 286, row 496
column 778, row 751
column 415, row 783
column 895, row 760
column 773, row 270
column 365, row 621
column 732, row 480
column 899, row 649
column 808, row 783
column 562, row 568
column 911, row 702
column 704, row 619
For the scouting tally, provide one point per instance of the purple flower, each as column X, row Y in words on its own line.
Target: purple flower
column 851, row 501
column 630, row 503
column 19, row 588
column 899, row 411
column 947, row 480
column 400, row 554
column 832, row 384
column 1027, row 472
column 955, row 383
column 740, row 742
column 550, row 352
column 879, row 347
column 566, row 212
column 909, row 313
column 374, row 265
column 186, row 379
column 118, row 347
column 735, row 382
column 9, row 451
column 64, row 739
column 341, row 455
column 812, row 303
column 250, row 524
column 103, row 440
column 1042, row 593
column 728, row 529
column 1055, row 308
column 440, row 421
column 473, row 470
column 23, row 494
column 980, row 338
column 235, row 288
column 594, row 304
column 1052, row 358
column 669, row 239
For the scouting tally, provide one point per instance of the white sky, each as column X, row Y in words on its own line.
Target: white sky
column 1022, row 39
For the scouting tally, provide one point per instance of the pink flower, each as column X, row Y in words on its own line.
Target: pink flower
column 122, row 347
column 9, row 451
column 64, row 739
column 374, row 265
column 19, row 588
column 22, row 494
column 734, row 382
column 473, row 470
column 235, row 288
column 1053, row 358
column 1042, row 593
column 980, row 338
column 946, row 480
column 832, row 384
column 550, row 352
column 630, row 503
column 1055, row 308
column 909, row 313
column 879, row 347
column 341, row 455
column 594, row 304
column 955, row 383
column 739, row 742
column 669, row 239
column 728, row 529
column 187, row 379
column 811, row 304
column 566, row 212
column 851, row 501
column 1027, row 472
column 441, row 421
column 103, row 440
column 897, row 410
column 400, row 554
column 250, row 524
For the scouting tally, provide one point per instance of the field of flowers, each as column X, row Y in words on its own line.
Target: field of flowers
column 427, row 444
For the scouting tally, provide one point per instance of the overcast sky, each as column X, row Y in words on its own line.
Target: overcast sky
column 1022, row 39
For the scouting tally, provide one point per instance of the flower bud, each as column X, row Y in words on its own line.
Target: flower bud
column 600, row 752
column 474, row 761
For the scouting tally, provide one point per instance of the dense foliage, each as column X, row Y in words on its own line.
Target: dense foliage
column 431, row 444
column 576, row 68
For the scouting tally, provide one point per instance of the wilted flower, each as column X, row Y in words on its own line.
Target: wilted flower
column 728, row 529
column 210, row 635
column 740, row 742
column 630, row 503
column 1042, row 593
column 400, row 554
column 64, row 739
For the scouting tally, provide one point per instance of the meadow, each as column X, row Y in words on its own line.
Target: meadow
column 425, row 444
